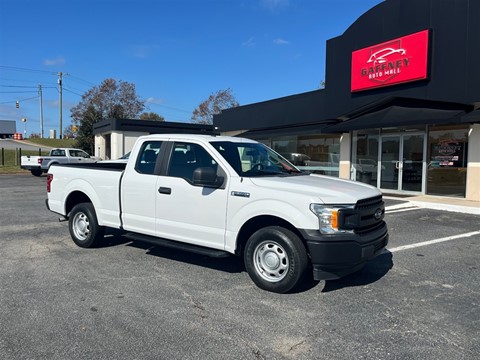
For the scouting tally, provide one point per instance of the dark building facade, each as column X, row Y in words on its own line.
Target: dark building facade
column 401, row 105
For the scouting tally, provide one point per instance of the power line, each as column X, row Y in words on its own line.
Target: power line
column 27, row 70
column 15, row 92
column 19, row 100
column 18, row 86
column 70, row 91
column 79, row 79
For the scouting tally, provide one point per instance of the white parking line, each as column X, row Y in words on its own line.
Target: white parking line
column 401, row 210
column 400, row 207
column 435, row 241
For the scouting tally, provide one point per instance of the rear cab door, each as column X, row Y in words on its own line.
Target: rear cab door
column 139, row 188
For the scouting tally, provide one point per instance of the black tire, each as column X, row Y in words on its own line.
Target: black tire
column 36, row 172
column 83, row 226
column 276, row 259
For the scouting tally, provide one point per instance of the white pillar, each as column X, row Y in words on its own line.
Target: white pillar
column 345, row 154
column 473, row 164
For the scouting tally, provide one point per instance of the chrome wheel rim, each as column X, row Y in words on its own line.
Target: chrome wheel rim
column 271, row 261
column 81, row 226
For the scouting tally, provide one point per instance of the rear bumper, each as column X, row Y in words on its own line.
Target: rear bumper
column 334, row 256
column 30, row 167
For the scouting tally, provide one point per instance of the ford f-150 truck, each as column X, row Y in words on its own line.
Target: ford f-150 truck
column 217, row 196
column 40, row 164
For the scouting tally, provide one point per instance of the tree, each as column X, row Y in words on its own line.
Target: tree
column 213, row 105
column 85, row 138
column 151, row 116
column 69, row 132
column 111, row 99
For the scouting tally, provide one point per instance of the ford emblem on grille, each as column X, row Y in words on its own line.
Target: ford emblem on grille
column 378, row 214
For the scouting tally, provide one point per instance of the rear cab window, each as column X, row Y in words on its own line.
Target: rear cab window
column 148, row 156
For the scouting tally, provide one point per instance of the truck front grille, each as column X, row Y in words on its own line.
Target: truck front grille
column 371, row 212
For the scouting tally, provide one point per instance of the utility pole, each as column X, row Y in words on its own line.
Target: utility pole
column 41, row 109
column 60, row 74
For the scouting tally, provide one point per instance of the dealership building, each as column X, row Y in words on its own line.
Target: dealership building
column 401, row 105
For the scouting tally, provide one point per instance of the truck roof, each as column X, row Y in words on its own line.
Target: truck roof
column 201, row 138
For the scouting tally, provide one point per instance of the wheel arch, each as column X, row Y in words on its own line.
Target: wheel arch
column 259, row 222
column 74, row 198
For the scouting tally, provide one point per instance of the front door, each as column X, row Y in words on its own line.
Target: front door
column 402, row 162
column 185, row 212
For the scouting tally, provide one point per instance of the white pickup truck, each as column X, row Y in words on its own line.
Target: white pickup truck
column 40, row 164
column 218, row 196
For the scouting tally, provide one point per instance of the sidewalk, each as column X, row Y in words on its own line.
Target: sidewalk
column 441, row 203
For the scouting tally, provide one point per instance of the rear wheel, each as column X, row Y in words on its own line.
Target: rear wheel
column 275, row 259
column 83, row 226
column 36, row 172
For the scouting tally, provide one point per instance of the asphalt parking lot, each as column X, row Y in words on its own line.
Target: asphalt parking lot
column 419, row 300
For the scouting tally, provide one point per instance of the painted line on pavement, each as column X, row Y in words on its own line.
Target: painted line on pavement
column 400, row 207
column 401, row 210
column 435, row 241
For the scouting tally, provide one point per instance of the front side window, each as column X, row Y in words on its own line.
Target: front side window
column 186, row 157
column 254, row 159
column 78, row 153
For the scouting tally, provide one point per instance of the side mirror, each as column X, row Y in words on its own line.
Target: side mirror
column 206, row 176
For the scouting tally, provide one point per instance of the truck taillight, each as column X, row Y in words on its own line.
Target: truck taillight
column 49, row 181
column 40, row 161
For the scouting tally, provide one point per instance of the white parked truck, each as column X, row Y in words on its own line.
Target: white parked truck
column 219, row 196
column 40, row 164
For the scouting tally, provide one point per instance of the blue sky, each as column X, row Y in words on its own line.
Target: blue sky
column 176, row 52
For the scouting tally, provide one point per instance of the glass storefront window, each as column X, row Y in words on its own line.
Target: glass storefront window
column 365, row 157
column 319, row 154
column 323, row 152
column 447, row 160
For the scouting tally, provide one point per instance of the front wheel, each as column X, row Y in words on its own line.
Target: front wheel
column 276, row 259
column 83, row 226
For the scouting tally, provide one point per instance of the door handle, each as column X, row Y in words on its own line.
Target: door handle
column 164, row 190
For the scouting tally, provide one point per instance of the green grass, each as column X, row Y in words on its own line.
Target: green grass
column 10, row 164
column 53, row 142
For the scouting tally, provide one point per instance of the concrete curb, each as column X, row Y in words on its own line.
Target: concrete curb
column 446, row 207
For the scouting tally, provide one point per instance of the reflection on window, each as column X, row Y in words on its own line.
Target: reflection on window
column 365, row 157
column 148, row 157
column 316, row 153
column 447, row 160
column 186, row 157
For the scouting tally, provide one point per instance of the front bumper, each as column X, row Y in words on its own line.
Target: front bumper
column 334, row 256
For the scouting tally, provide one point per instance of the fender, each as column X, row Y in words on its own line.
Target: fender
column 107, row 208
column 298, row 216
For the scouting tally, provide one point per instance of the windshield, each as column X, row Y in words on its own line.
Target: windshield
column 254, row 159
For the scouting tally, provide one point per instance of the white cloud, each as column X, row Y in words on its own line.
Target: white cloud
column 250, row 42
column 59, row 60
column 152, row 100
column 280, row 41
column 273, row 5
column 143, row 51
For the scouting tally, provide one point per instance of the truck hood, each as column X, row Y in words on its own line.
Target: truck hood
column 328, row 189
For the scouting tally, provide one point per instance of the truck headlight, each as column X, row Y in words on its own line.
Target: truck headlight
column 329, row 219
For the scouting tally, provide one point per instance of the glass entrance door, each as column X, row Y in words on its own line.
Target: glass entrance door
column 402, row 162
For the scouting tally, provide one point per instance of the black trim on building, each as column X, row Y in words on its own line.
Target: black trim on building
column 151, row 126
column 450, row 93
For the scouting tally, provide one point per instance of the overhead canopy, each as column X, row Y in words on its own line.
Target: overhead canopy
column 402, row 112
